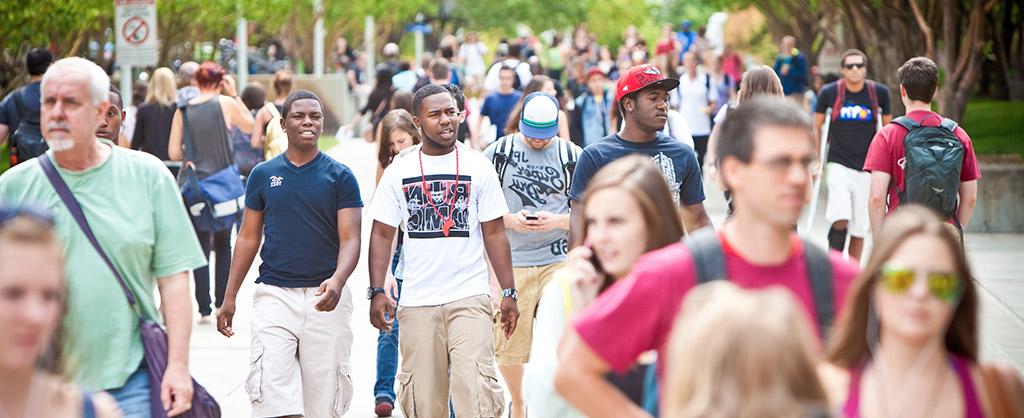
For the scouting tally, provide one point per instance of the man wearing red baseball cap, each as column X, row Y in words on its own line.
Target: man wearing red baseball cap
column 641, row 97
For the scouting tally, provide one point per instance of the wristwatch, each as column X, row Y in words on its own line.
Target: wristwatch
column 510, row 293
column 371, row 291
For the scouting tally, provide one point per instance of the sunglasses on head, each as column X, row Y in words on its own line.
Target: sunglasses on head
column 8, row 213
column 944, row 286
column 854, row 65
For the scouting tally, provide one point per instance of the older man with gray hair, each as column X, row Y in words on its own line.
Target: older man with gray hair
column 142, row 226
column 187, row 89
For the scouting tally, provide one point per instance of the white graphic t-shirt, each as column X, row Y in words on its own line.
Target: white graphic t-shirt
column 440, row 268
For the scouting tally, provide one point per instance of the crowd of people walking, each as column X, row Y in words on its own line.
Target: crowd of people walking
column 567, row 257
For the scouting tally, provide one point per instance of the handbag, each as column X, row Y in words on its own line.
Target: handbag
column 1003, row 391
column 154, row 337
column 212, row 202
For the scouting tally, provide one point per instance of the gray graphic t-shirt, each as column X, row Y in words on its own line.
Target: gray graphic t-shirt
column 534, row 181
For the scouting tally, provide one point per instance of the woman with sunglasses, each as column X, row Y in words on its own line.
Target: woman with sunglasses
column 906, row 344
column 32, row 306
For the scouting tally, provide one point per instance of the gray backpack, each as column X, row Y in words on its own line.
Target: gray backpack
column 709, row 263
column 933, row 159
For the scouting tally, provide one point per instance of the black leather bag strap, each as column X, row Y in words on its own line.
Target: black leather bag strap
column 72, row 205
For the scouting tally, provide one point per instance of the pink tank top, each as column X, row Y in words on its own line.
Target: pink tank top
column 963, row 372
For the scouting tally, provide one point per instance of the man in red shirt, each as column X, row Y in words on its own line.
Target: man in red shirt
column 919, row 77
column 766, row 156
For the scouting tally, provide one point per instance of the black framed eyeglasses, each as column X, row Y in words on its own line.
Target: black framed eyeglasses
column 854, row 65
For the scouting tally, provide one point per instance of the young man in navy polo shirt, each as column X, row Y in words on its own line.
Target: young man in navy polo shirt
column 308, row 207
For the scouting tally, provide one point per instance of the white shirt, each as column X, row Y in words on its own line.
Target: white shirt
column 690, row 98
column 473, row 56
column 440, row 269
column 492, row 82
column 677, row 128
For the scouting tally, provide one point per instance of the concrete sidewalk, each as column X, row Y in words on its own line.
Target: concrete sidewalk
column 222, row 364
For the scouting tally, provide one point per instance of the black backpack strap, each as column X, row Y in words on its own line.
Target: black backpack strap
column 819, row 272
column 568, row 156
column 502, row 153
column 706, row 251
column 907, row 123
column 19, row 104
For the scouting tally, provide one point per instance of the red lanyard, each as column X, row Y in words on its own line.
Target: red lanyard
column 449, row 221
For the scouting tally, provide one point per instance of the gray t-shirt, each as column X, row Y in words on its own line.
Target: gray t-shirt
column 534, row 180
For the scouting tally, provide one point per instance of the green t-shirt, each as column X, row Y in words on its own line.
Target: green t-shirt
column 135, row 209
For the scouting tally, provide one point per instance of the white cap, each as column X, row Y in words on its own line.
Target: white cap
column 539, row 119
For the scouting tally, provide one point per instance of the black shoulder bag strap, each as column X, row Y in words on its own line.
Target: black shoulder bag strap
column 72, row 205
column 819, row 272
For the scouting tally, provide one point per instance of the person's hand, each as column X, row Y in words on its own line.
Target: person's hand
column 225, row 314
column 509, row 316
column 545, row 222
column 330, row 289
column 176, row 390
column 228, row 86
column 586, row 279
column 391, row 290
column 518, row 222
column 784, row 69
column 382, row 314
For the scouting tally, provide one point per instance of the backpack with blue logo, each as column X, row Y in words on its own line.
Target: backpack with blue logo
column 933, row 159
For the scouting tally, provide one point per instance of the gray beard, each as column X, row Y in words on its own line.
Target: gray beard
column 61, row 144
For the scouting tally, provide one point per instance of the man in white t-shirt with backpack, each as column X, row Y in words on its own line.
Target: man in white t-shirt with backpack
column 534, row 169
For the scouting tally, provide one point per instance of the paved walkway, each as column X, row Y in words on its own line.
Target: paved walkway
column 222, row 364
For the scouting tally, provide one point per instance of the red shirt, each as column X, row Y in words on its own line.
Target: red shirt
column 886, row 151
column 665, row 47
column 637, row 313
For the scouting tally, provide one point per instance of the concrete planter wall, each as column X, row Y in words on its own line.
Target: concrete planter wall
column 1000, row 199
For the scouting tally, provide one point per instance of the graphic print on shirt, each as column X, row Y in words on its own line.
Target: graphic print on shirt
column 533, row 183
column 452, row 202
column 668, row 169
column 276, row 181
column 855, row 112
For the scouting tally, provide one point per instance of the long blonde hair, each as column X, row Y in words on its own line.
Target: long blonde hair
column 760, row 80
column 161, row 87
column 736, row 353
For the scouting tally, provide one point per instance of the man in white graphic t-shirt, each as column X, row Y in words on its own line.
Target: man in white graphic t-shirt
column 448, row 200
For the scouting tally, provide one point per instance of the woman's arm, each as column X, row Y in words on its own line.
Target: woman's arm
column 258, row 131
column 237, row 113
column 174, row 148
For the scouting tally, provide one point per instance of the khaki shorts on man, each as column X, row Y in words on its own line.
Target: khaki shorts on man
column 530, row 281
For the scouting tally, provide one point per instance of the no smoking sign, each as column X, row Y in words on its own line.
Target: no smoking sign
column 137, row 43
column 135, row 30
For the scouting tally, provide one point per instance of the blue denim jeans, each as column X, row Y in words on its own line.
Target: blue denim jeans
column 387, row 346
column 133, row 397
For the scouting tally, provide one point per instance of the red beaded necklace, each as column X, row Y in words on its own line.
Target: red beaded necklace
column 448, row 222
